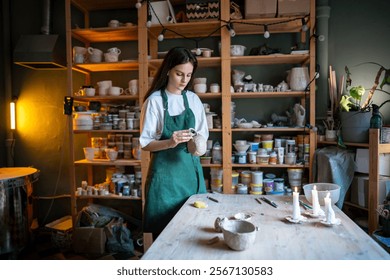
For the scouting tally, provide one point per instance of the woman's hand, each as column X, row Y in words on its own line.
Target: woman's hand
column 180, row 136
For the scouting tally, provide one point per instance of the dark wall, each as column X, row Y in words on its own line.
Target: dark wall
column 358, row 32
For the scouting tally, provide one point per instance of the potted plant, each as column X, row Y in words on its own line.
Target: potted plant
column 354, row 113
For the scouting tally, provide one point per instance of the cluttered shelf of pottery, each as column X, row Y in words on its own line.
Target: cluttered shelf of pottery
column 270, row 59
column 106, row 34
column 267, row 94
column 351, row 204
column 188, row 29
column 108, row 196
column 203, row 62
column 272, row 129
column 366, row 145
column 80, row 131
column 270, row 165
column 93, row 5
column 104, row 162
column 251, row 26
column 127, row 65
column 107, row 98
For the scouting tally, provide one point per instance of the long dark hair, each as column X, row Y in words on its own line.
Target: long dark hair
column 175, row 56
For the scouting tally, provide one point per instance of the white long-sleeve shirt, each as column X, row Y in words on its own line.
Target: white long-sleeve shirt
column 153, row 114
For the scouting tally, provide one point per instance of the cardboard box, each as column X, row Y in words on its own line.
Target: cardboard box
column 362, row 162
column 89, row 240
column 260, row 8
column 288, row 8
column 359, row 190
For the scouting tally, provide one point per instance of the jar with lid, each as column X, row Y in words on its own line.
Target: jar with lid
column 272, row 158
column 217, row 153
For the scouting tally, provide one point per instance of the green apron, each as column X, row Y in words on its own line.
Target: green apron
column 174, row 174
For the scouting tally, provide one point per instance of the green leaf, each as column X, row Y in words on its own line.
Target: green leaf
column 345, row 102
column 357, row 92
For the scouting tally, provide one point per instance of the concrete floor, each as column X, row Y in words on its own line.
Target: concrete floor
column 43, row 246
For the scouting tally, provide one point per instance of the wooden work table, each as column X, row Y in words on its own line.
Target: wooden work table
column 187, row 235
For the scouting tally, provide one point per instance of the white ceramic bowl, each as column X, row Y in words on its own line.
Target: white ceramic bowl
column 323, row 189
column 200, row 88
column 238, row 235
column 241, row 148
column 111, row 154
column 90, row 153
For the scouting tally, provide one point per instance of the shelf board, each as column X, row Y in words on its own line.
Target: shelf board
column 188, row 29
column 107, row 98
column 107, row 66
column 273, row 129
column 212, row 165
column 95, row 5
column 365, row 145
column 269, row 165
column 106, row 131
column 209, row 95
column 254, row 26
column 269, row 94
column 109, row 196
column 106, row 34
column 202, row 62
column 270, row 59
column 104, row 162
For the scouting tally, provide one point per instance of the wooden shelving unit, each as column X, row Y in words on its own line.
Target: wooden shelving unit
column 375, row 149
column 148, row 62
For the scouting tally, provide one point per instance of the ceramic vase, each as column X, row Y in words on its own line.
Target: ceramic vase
column 299, row 78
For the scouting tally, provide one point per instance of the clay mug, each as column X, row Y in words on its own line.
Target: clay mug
column 197, row 145
column 90, row 91
column 79, row 54
column 132, row 90
column 133, row 82
column 114, row 50
column 115, row 91
column 95, row 55
column 214, row 88
column 79, row 58
column 111, row 57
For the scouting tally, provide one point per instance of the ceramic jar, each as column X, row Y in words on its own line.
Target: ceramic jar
column 299, row 78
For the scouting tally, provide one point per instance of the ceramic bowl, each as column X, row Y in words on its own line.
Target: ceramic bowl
column 90, row 153
column 241, row 148
column 111, row 154
column 323, row 189
column 238, row 234
column 200, row 88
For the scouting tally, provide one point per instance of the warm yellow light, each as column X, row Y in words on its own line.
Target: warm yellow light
column 12, row 115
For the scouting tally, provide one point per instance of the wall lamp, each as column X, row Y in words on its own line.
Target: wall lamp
column 12, row 107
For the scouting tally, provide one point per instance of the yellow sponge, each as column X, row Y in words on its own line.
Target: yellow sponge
column 200, row 204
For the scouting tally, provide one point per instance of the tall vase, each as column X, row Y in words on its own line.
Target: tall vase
column 355, row 126
column 299, row 78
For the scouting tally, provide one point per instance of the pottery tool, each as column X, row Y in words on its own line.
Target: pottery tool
column 270, row 202
column 212, row 199
column 306, row 206
column 200, row 204
column 258, row 200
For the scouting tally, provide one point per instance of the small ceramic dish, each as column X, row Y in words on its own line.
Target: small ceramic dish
column 245, row 125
